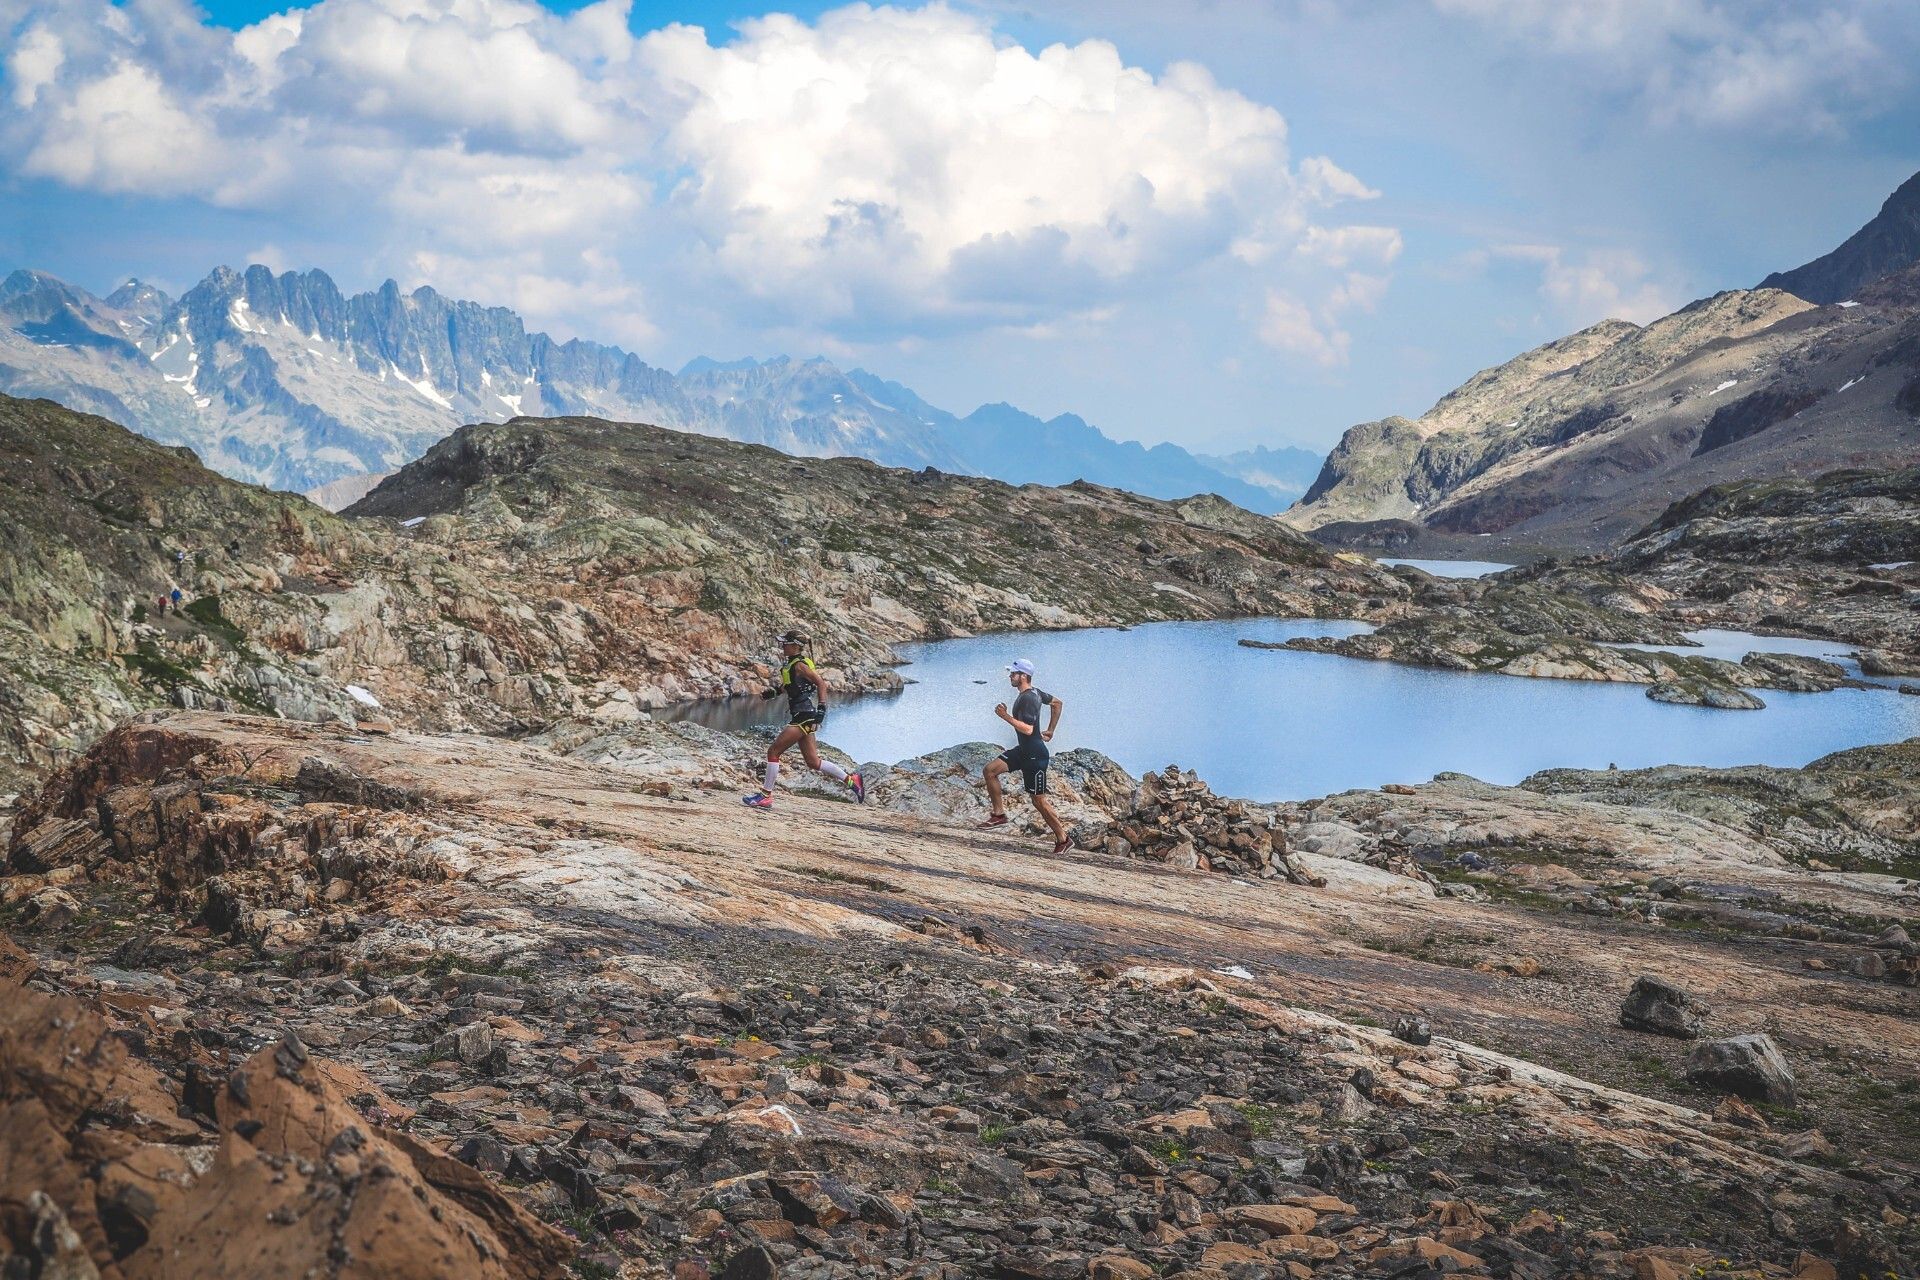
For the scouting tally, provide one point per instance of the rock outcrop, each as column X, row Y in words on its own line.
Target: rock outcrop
column 284, row 1166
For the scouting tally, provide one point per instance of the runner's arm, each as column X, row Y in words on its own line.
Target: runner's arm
column 1006, row 715
column 1053, row 720
column 819, row 682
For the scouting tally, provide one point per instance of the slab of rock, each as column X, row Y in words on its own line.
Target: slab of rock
column 1795, row 672
column 1749, row 1067
column 1657, row 1006
column 1885, row 662
column 1700, row 693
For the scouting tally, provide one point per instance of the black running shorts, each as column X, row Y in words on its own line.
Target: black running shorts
column 809, row 721
column 1032, row 766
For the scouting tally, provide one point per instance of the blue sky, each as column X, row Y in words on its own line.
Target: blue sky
column 1220, row 223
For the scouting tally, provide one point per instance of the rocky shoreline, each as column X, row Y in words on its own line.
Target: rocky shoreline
column 570, row 983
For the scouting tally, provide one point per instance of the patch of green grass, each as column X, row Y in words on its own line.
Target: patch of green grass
column 939, row 1186
column 1170, row 1150
column 441, row 963
column 206, row 612
column 1262, row 1120
column 1654, row 1069
column 148, row 662
column 995, row 1133
column 803, row 1060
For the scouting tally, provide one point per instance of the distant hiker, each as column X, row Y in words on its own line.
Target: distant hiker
column 176, row 597
column 806, row 691
column 163, row 604
column 1029, row 753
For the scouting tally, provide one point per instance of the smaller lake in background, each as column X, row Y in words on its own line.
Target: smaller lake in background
column 1279, row 725
column 1452, row 568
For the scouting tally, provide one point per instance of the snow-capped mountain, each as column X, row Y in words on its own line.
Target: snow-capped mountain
column 283, row 380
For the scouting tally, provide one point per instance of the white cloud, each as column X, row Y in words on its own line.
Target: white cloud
column 1596, row 284
column 34, row 63
column 1342, row 247
column 1772, row 66
column 125, row 131
column 1290, row 326
column 877, row 171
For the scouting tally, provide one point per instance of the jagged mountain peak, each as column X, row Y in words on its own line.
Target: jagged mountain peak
column 280, row 378
column 1888, row 243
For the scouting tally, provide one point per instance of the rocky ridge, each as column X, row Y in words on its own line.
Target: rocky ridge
column 1889, row 242
column 855, row 1043
column 526, row 573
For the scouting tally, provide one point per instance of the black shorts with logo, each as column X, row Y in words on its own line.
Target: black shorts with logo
column 1032, row 766
column 808, row 721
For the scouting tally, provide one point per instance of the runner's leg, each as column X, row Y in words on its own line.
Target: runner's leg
column 781, row 745
column 995, row 798
column 810, row 748
column 1045, row 806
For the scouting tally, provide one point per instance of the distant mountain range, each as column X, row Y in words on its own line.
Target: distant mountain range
column 283, row 380
column 1578, row 444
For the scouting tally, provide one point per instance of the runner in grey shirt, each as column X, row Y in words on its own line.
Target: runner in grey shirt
column 1029, row 753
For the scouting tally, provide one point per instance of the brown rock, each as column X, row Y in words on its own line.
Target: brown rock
column 1274, row 1219
column 1118, row 1267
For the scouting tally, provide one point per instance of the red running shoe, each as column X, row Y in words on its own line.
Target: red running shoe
column 997, row 820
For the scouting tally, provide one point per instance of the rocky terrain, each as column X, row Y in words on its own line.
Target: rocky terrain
column 523, row 573
column 280, row 379
column 1829, row 557
column 1576, row 445
column 310, row 979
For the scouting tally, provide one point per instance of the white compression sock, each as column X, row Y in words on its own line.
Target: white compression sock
column 833, row 771
column 773, row 775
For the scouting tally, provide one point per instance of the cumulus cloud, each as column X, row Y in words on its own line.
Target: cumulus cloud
column 877, row 169
column 1588, row 286
column 1289, row 325
column 1781, row 66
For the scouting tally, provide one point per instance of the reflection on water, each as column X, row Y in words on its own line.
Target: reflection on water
column 1273, row 724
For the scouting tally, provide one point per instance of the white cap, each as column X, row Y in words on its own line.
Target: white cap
column 1023, row 666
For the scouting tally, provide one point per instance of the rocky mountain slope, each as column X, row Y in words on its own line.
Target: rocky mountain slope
column 1577, row 444
column 285, row 381
column 1887, row 244
column 469, row 981
column 524, row 572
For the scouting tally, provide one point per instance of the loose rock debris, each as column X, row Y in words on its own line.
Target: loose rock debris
column 286, row 1017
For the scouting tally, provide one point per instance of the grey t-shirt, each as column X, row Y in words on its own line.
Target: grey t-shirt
column 1026, row 707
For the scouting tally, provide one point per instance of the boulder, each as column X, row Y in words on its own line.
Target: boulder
column 1749, row 1067
column 1657, row 1006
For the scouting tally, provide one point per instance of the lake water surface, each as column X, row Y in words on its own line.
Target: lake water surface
column 1277, row 725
